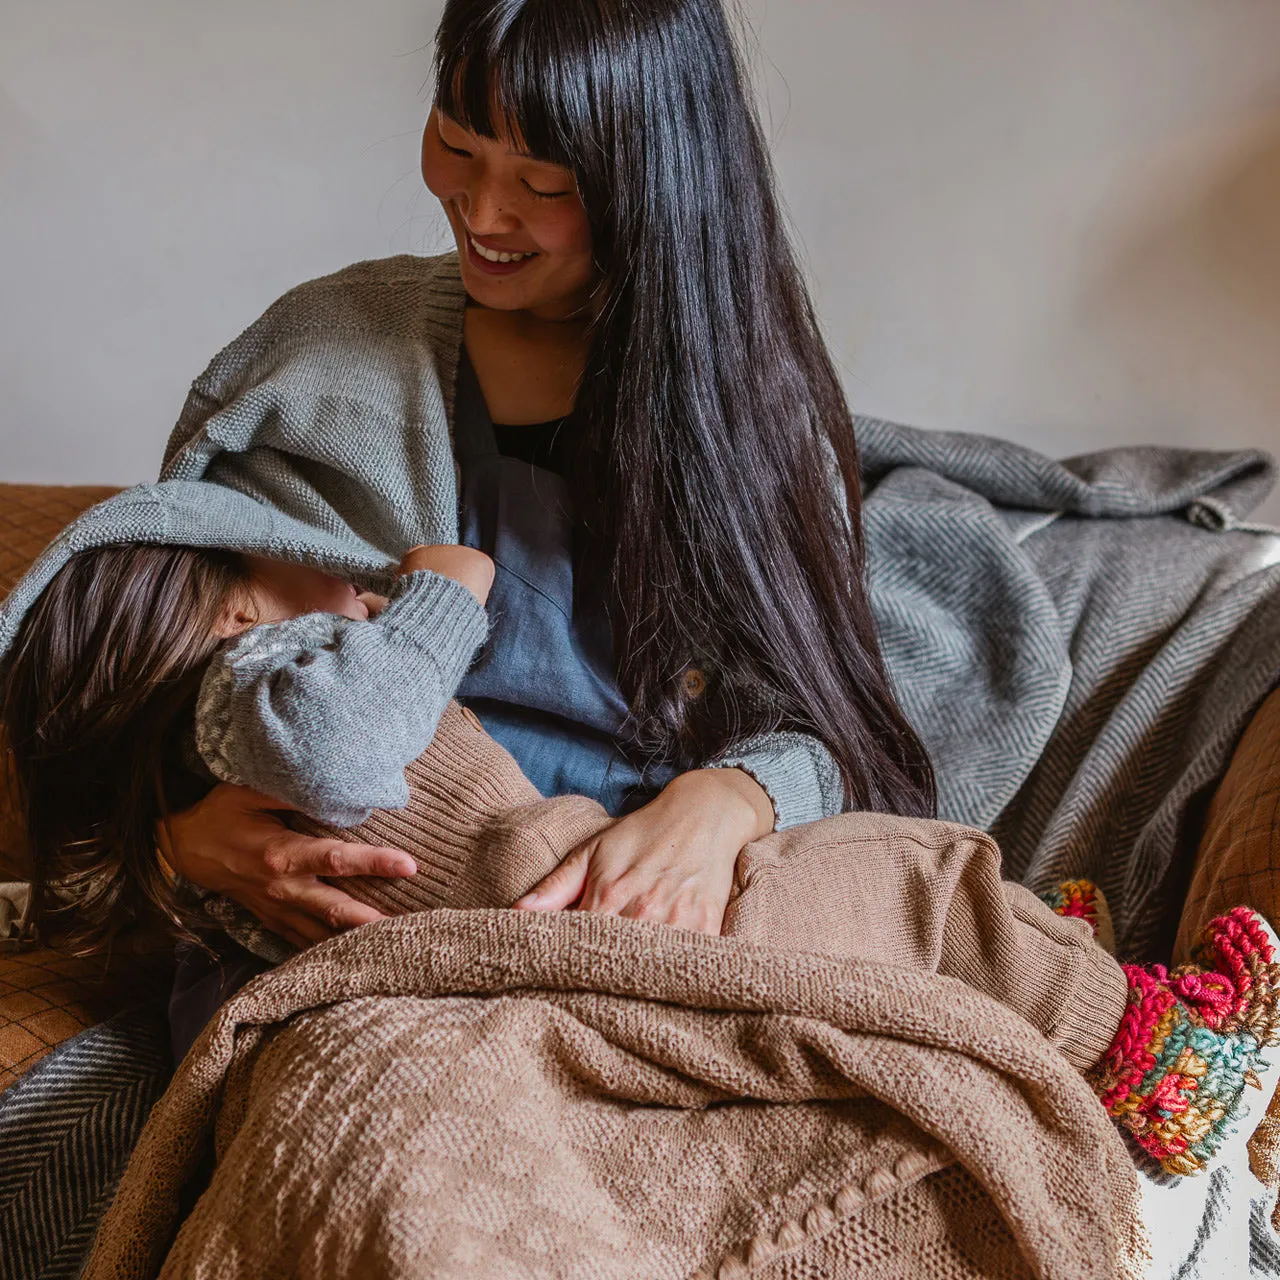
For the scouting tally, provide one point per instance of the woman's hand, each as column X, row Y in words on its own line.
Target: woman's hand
column 671, row 861
column 234, row 842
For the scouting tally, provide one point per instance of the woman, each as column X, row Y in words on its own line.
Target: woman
column 648, row 426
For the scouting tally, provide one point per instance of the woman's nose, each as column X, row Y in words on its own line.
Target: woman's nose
column 482, row 210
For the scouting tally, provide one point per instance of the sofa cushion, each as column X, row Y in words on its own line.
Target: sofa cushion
column 1238, row 861
column 45, row 998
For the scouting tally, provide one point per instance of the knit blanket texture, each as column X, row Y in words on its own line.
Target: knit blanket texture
column 490, row 1093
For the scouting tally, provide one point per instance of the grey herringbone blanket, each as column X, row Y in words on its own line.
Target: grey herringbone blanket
column 1079, row 643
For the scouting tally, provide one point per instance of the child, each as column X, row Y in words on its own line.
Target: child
column 108, row 638
column 138, row 673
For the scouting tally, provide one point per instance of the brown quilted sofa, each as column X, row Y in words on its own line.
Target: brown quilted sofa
column 46, row 997
column 31, row 515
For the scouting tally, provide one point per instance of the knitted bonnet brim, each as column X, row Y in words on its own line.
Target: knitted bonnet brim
column 192, row 513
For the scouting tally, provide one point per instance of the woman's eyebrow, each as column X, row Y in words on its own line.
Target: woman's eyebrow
column 511, row 151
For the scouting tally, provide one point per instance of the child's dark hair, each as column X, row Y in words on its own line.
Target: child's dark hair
column 96, row 697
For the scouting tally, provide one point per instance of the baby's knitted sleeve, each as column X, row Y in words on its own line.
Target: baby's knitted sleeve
column 324, row 712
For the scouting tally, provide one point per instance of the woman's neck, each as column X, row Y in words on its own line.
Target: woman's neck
column 529, row 369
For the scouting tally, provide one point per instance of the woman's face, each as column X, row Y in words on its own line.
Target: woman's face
column 503, row 203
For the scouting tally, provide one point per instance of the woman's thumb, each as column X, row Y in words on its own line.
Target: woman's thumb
column 562, row 888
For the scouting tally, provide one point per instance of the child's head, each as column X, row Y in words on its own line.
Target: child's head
column 97, row 694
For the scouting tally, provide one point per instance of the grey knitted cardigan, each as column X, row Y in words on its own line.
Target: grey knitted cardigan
column 327, row 429
column 337, row 408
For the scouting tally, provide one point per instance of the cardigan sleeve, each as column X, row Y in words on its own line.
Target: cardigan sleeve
column 324, row 712
column 797, row 772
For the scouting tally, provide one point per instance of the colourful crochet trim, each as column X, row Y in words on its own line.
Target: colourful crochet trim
column 1083, row 900
column 1078, row 898
column 1190, row 1041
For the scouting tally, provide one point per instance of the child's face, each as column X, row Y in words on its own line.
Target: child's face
column 281, row 591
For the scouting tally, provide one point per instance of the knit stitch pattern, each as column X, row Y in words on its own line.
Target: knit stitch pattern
column 499, row 1093
column 875, row 887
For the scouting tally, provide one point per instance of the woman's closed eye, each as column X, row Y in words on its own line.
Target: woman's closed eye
column 543, row 195
column 463, row 154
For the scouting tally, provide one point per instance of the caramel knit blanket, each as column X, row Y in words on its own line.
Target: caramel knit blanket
column 492, row 1093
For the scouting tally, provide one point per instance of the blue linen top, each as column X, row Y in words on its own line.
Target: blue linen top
column 544, row 684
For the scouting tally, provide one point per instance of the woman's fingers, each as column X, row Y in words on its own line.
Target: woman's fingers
column 295, row 865
column 562, row 888
column 234, row 842
column 307, row 855
column 333, row 908
column 308, row 910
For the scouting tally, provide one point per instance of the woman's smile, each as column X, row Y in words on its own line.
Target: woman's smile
column 495, row 261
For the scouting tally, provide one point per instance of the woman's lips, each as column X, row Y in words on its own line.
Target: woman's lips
column 483, row 264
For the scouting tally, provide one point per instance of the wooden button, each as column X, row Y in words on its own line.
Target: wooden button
column 472, row 719
column 695, row 683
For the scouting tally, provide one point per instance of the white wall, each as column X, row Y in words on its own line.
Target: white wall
column 1057, row 222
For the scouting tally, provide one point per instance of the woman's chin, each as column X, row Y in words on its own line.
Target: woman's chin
column 481, row 291
column 501, row 292
column 530, row 287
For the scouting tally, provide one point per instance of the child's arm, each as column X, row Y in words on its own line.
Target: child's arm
column 324, row 712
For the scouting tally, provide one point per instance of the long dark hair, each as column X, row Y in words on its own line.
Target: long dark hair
column 96, row 696
column 714, row 434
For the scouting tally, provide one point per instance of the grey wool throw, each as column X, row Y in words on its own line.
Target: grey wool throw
column 1080, row 644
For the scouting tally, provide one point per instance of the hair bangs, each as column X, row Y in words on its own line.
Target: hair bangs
column 708, row 393
column 513, row 67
